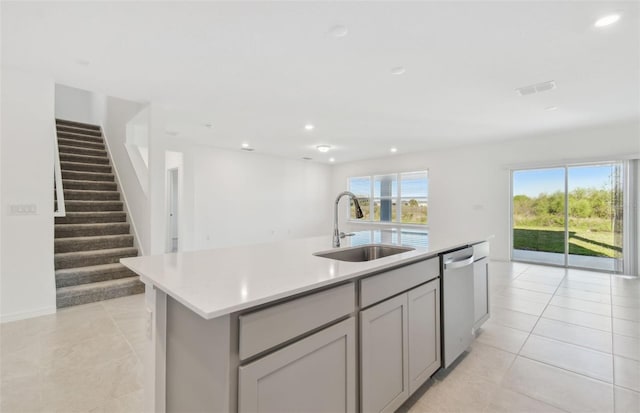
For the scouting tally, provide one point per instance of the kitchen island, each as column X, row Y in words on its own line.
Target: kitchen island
column 273, row 327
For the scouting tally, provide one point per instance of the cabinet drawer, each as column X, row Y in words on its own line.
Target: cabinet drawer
column 274, row 325
column 387, row 284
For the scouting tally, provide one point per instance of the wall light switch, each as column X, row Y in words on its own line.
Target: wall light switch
column 23, row 209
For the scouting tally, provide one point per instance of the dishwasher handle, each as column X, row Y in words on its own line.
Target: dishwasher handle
column 453, row 264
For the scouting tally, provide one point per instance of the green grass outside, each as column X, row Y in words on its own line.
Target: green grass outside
column 582, row 241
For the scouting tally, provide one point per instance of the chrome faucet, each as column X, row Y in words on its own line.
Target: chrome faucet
column 336, row 232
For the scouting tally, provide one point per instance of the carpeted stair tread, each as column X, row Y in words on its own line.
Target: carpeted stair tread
column 74, row 157
column 85, row 258
column 92, row 217
column 92, row 243
column 103, row 290
column 79, row 150
column 84, row 167
column 80, row 184
column 78, row 130
column 88, row 176
column 87, row 206
column 91, row 274
column 89, row 230
column 66, row 122
column 90, row 195
column 80, row 144
column 81, row 138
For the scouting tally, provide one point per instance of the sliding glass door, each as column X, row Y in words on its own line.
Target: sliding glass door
column 570, row 216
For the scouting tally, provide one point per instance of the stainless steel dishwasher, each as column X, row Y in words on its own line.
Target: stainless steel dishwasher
column 457, row 303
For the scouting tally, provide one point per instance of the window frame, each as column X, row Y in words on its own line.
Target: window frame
column 397, row 199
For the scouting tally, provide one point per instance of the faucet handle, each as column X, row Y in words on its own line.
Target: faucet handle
column 348, row 234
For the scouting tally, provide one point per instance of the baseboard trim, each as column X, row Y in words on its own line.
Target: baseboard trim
column 5, row 318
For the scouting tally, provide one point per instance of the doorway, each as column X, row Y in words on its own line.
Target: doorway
column 571, row 216
column 172, row 210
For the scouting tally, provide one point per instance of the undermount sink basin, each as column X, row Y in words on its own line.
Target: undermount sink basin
column 364, row 253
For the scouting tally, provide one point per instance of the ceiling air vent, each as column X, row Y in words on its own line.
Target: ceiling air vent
column 537, row 88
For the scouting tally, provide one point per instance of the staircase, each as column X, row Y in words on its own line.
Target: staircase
column 94, row 234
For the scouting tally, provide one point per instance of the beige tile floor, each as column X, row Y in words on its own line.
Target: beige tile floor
column 82, row 359
column 558, row 340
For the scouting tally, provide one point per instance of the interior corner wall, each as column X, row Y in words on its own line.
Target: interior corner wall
column 27, row 279
column 73, row 104
column 469, row 187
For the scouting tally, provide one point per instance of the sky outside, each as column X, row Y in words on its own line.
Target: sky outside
column 534, row 182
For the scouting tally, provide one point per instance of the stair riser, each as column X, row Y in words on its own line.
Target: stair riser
column 63, row 122
column 80, row 279
column 72, row 245
column 78, row 130
column 85, row 176
column 80, row 144
column 75, row 150
column 72, row 206
column 71, row 219
column 73, row 262
column 89, row 185
column 81, row 138
column 91, row 195
column 90, row 231
column 68, row 157
column 83, row 167
column 99, row 296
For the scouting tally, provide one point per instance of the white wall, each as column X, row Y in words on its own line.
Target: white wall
column 469, row 187
column 27, row 281
column 238, row 198
column 73, row 104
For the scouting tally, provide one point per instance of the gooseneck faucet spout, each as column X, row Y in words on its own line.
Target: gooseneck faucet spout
column 336, row 232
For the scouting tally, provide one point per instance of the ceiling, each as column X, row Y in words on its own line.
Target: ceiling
column 257, row 72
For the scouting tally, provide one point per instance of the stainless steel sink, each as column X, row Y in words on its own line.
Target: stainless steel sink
column 363, row 252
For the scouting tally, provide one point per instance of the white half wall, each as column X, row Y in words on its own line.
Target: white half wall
column 27, row 280
column 469, row 187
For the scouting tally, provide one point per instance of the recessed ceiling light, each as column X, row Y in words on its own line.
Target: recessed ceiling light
column 551, row 108
column 245, row 145
column 306, row 158
column 82, row 62
column 208, row 125
column 393, row 150
column 323, row 148
column 607, row 20
column 398, row 70
column 171, row 133
column 247, row 149
column 332, row 159
column 339, row 30
column 309, row 126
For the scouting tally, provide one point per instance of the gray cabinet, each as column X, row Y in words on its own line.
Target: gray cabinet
column 424, row 333
column 384, row 355
column 315, row 374
column 400, row 347
column 480, row 292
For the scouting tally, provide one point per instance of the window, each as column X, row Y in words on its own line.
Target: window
column 394, row 198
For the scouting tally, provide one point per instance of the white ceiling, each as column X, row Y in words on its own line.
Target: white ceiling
column 259, row 71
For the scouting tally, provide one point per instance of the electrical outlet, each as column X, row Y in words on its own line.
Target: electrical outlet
column 23, row 209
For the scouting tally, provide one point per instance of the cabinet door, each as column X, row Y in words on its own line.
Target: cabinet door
column 315, row 374
column 384, row 356
column 424, row 333
column 480, row 292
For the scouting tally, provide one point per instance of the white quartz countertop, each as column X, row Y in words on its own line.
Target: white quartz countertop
column 221, row 281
